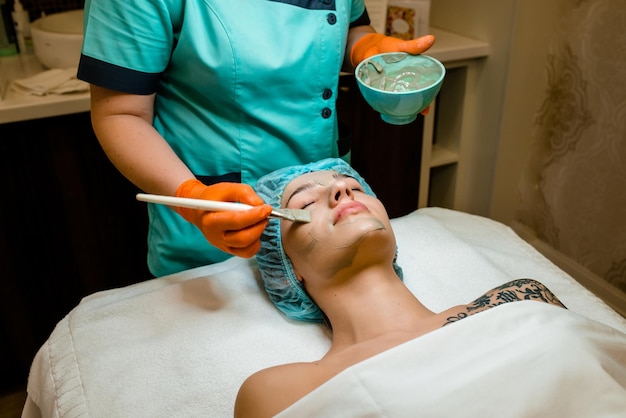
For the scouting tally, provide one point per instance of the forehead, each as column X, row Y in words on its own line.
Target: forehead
column 313, row 178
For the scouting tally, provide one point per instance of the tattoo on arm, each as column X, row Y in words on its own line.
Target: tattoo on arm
column 513, row 291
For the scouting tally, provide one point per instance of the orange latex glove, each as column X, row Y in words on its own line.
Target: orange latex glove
column 237, row 233
column 377, row 43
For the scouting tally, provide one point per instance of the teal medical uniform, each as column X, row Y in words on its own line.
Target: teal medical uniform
column 243, row 87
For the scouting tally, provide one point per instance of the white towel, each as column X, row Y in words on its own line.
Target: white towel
column 55, row 81
column 523, row 359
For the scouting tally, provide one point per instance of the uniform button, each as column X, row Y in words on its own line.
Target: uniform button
column 331, row 18
column 326, row 112
column 328, row 93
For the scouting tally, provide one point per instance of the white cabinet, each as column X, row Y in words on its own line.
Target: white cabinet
column 446, row 134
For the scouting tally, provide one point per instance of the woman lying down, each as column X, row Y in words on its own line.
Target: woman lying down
column 390, row 355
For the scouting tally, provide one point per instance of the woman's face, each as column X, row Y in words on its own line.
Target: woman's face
column 348, row 228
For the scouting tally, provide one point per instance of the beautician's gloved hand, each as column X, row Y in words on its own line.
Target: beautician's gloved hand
column 237, row 233
column 377, row 43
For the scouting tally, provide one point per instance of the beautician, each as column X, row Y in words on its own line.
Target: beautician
column 201, row 98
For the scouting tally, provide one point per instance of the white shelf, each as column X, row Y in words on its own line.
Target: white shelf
column 15, row 107
column 450, row 47
column 447, row 134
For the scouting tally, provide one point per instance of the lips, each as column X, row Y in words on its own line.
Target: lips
column 349, row 208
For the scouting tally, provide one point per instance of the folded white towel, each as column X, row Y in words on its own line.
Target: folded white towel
column 55, row 81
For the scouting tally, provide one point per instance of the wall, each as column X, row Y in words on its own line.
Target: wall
column 535, row 23
column 511, row 91
column 572, row 188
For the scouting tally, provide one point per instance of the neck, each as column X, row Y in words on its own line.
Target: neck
column 374, row 303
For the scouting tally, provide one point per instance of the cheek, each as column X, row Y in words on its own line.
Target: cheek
column 307, row 252
column 299, row 240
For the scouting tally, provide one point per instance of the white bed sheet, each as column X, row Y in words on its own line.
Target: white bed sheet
column 517, row 360
column 181, row 345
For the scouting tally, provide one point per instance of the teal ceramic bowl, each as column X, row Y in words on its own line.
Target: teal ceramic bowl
column 399, row 86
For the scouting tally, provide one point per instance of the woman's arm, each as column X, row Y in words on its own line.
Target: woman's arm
column 123, row 125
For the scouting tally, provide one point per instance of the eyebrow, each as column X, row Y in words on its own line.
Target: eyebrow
column 310, row 185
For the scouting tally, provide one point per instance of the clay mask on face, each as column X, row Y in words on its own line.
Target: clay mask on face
column 342, row 216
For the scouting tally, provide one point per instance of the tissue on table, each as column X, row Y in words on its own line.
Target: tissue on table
column 55, row 81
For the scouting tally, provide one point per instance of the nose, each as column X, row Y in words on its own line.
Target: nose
column 340, row 191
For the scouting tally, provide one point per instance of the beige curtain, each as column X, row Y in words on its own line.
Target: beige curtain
column 573, row 193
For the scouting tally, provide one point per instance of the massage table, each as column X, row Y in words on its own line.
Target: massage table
column 181, row 345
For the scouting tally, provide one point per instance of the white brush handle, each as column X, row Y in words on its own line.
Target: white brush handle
column 185, row 202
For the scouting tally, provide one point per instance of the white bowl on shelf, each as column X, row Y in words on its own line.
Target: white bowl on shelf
column 58, row 39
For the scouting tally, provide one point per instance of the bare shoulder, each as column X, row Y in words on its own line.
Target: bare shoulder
column 271, row 390
column 513, row 291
